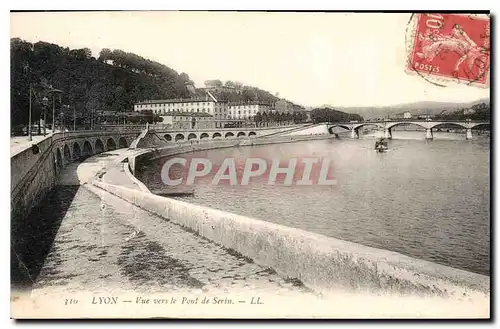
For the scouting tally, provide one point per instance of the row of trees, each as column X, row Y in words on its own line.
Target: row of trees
column 141, row 117
column 114, row 81
column 330, row 115
column 242, row 93
column 219, row 84
column 296, row 117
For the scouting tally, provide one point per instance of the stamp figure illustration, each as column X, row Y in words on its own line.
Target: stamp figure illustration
column 451, row 47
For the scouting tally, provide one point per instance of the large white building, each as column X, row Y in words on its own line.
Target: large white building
column 246, row 111
column 212, row 107
column 167, row 108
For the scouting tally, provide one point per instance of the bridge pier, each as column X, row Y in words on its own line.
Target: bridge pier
column 354, row 133
column 468, row 134
column 387, row 133
column 428, row 133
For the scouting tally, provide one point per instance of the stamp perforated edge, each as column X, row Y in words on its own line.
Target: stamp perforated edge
column 441, row 81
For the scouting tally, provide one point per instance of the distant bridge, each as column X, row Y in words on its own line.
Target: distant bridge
column 428, row 125
column 179, row 135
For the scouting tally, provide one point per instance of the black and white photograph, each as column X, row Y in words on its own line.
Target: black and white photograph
column 191, row 164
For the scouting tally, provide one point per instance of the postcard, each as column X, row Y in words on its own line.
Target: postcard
column 250, row 165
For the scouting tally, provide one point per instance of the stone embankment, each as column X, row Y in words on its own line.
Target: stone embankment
column 117, row 237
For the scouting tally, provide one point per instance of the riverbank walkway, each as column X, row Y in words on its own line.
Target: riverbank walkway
column 87, row 244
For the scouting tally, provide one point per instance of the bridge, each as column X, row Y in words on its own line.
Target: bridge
column 387, row 126
column 35, row 165
column 179, row 135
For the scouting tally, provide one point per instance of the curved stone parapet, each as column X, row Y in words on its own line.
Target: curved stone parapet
column 323, row 263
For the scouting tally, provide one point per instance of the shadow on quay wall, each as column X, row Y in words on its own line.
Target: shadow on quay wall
column 32, row 238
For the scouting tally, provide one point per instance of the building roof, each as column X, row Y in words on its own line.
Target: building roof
column 207, row 98
column 175, row 100
column 249, row 103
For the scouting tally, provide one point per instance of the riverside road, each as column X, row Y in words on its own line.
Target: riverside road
column 98, row 242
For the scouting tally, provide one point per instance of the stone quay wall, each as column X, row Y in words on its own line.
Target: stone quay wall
column 34, row 169
column 322, row 263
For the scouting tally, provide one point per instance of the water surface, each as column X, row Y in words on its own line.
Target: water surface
column 425, row 199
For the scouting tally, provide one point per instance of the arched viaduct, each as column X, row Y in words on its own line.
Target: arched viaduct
column 182, row 136
column 79, row 146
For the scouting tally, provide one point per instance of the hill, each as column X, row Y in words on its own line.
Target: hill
column 416, row 108
column 113, row 82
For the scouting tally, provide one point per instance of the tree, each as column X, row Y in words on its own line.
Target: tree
column 213, row 83
column 258, row 119
column 105, row 54
column 330, row 115
column 265, row 118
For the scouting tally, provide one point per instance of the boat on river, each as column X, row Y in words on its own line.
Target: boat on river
column 381, row 145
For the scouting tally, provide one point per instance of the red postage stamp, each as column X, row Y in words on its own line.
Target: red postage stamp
column 450, row 47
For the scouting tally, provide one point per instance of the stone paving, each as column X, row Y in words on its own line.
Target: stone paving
column 20, row 143
column 105, row 244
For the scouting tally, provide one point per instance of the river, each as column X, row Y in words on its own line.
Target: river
column 425, row 199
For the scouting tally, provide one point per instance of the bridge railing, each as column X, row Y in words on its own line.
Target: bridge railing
column 409, row 120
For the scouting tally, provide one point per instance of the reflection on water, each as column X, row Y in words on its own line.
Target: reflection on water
column 425, row 199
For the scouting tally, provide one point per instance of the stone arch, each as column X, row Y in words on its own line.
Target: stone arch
column 110, row 144
column 66, row 155
column 59, row 160
column 87, row 149
column 179, row 137
column 99, row 146
column 216, row 135
column 168, row 137
column 252, row 133
column 330, row 129
column 191, row 136
column 449, row 125
column 408, row 125
column 122, row 143
column 204, row 135
column 229, row 135
column 456, row 124
column 342, row 126
column 357, row 127
column 241, row 134
column 480, row 125
column 77, row 151
column 390, row 126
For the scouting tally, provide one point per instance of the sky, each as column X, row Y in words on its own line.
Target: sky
column 341, row 59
